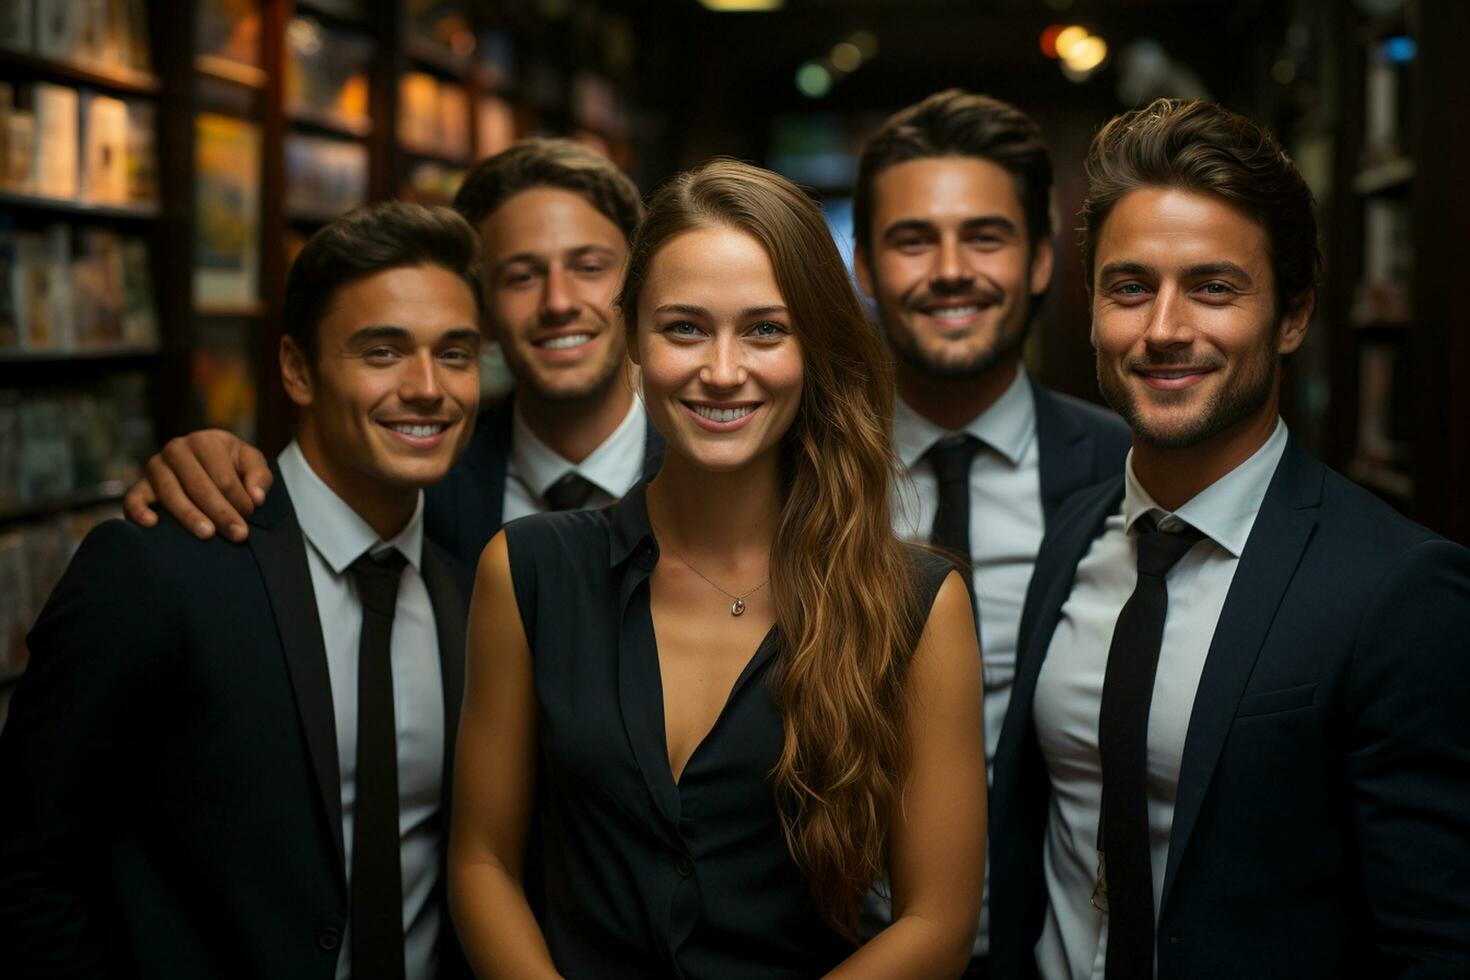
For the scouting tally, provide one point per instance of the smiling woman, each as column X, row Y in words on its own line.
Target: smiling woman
column 718, row 672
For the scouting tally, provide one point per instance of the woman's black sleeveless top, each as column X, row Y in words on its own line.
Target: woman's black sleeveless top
column 645, row 877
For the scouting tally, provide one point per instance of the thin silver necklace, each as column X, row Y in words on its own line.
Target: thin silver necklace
column 737, row 604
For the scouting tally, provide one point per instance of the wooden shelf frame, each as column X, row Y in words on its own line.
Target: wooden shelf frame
column 99, row 496
column 1433, row 483
column 113, row 79
column 70, row 207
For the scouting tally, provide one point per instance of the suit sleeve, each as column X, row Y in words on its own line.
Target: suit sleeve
column 77, row 730
column 1409, row 760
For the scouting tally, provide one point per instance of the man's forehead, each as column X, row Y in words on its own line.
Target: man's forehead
column 948, row 187
column 1180, row 227
column 548, row 219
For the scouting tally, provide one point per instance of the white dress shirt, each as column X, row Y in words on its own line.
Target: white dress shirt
column 1073, row 941
column 1006, row 526
column 336, row 537
column 612, row 468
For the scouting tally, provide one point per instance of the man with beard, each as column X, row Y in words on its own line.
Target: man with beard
column 1239, row 739
column 554, row 219
column 952, row 214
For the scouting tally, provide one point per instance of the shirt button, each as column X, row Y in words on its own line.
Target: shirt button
column 329, row 940
column 646, row 556
column 684, row 866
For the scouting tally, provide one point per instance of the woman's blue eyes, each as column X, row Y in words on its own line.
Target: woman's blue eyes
column 765, row 329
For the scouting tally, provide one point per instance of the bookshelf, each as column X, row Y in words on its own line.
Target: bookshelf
column 1399, row 422
column 88, row 231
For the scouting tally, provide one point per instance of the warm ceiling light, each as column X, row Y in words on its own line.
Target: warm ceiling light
column 742, row 6
column 1068, row 38
column 1049, row 40
column 1087, row 54
column 866, row 42
column 846, row 57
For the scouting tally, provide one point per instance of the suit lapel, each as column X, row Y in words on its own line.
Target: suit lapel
column 1279, row 537
column 1064, row 550
column 1021, row 784
column 280, row 551
column 451, row 610
column 1065, row 452
column 1056, row 568
column 482, row 503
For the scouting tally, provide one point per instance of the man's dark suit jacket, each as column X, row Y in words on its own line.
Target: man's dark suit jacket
column 172, row 798
column 1078, row 445
column 464, row 510
column 1322, row 824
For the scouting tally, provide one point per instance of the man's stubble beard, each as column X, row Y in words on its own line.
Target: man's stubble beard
column 589, row 393
column 1242, row 397
column 1010, row 338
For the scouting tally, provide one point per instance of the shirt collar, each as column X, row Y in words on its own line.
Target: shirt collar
column 1008, row 426
column 613, row 466
column 1225, row 511
column 631, row 528
column 334, row 529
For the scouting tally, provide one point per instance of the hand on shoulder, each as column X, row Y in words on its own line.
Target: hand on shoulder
column 208, row 481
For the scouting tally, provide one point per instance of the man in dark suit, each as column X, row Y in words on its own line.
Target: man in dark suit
column 554, row 218
column 952, row 223
column 1239, row 744
column 233, row 761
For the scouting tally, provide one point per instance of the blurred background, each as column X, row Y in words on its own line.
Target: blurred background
column 161, row 163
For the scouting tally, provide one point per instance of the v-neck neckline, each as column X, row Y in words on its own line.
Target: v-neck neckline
column 758, row 658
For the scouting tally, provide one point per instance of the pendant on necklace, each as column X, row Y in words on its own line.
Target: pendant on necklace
column 737, row 607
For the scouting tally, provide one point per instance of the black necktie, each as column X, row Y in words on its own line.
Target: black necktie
column 377, row 876
column 569, row 493
column 1128, row 690
column 951, row 459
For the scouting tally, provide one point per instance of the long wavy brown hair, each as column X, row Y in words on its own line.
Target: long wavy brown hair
column 847, row 612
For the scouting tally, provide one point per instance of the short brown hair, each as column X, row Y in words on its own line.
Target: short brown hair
column 543, row 162
column 1199, row 146
column 954, row 123
column 367, row 240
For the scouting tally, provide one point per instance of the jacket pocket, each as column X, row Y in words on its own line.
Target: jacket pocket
column 1271, row 702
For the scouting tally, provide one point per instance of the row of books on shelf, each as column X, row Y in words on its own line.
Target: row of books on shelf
column 433, row 115
column 1387, row 97
column 74, row 290
column 324, row 177
column 429, row 182
column 60, row 142
column 32, row 559
column 327, row 71
column 106, row 35
column 58, row 442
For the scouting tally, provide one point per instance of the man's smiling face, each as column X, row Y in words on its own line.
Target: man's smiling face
column 950, row 264
column 554, row 265
column 1186, row 319
column 390, row 400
